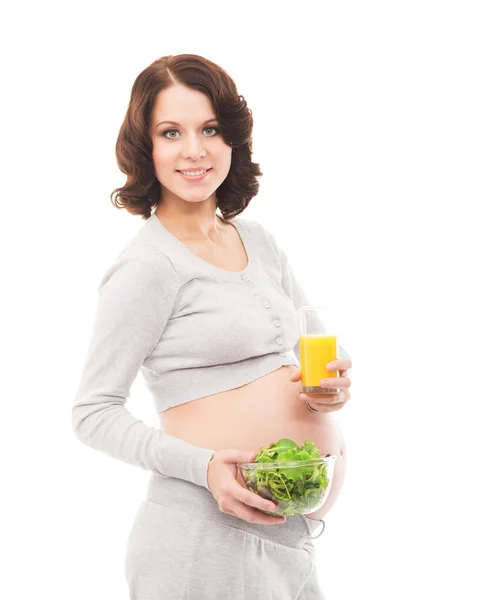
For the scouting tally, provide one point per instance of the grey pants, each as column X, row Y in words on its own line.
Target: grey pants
column 182, row 547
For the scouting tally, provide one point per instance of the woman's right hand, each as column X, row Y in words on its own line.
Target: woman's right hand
column 232, row 497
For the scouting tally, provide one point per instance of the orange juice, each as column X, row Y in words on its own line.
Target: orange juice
column 315, row 352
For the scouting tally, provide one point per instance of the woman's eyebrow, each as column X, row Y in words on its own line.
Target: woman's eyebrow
column 175, row 122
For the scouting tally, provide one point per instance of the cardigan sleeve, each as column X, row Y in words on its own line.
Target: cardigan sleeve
column 136, row 296
column 293, row 289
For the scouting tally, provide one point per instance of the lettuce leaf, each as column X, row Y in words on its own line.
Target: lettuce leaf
column 296, row 490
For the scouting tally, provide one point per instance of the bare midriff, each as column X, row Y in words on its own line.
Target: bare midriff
column 256, row 415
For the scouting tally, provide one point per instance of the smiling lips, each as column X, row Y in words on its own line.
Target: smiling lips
column 202, row 173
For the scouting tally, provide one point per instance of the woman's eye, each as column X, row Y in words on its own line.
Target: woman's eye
column 168, row 131
column 216, row 129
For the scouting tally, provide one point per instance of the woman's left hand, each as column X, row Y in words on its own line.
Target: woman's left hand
column 329, row 402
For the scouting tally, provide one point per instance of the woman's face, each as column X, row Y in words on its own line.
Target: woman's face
column 195, row 141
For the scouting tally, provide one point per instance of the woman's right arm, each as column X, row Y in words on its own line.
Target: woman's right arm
column 136, row 296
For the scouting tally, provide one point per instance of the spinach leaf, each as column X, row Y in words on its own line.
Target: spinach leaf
column 295, row 489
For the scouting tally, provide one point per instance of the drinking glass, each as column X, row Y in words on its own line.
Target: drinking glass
column 318, row 345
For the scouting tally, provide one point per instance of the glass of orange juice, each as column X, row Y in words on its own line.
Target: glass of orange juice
column 318, row 345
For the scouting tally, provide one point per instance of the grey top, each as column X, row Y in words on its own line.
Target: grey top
column 193, row 329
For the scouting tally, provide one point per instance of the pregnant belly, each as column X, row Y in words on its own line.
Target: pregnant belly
column 256, row 415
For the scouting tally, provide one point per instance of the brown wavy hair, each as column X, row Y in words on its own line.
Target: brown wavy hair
column 134, row 146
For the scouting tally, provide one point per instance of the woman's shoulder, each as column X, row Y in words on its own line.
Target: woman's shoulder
column 142, row 266
column 253, row 226
column 144, row 260
column 150, row 239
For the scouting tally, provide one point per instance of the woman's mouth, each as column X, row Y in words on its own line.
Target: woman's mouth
column 197, row 176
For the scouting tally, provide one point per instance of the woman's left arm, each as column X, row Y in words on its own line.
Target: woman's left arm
column 328, row 402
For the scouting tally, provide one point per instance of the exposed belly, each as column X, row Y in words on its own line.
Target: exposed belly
column 256, row 415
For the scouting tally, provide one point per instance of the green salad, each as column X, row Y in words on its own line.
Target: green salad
column 295, row 490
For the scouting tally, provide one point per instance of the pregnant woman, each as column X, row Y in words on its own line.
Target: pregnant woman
column 206, row 306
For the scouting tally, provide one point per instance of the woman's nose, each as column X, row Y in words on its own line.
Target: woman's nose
column 193, row 148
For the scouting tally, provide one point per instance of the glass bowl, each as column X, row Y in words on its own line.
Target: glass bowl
column 296, row 487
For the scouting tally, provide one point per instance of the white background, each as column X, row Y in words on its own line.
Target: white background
column 372, row 130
